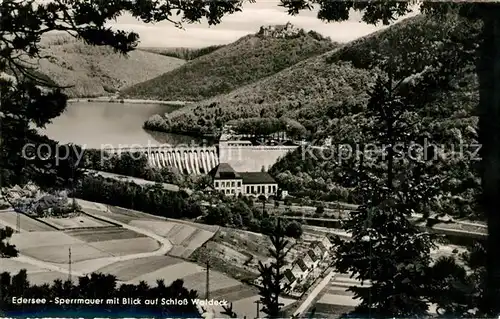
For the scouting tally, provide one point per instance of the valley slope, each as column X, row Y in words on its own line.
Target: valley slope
column 96, row 71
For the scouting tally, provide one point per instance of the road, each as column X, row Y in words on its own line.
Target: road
column 482, row 233
column 139, row 181
column 336, row 294
column 336, row 291
column 314, row 293
column 303, row 209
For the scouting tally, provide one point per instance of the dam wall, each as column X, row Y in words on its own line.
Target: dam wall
column 188, row 160
column 252, row 158
column 199, row 160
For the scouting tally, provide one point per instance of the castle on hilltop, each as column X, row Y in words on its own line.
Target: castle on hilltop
column 279, row 31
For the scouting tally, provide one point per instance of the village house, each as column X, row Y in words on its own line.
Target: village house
column 315, row 247
column 315, row 258
column 300, row 269
column 319, row 249
column 307, row 260
column 297, row 271
column 289, row 279
column 326, row 243
column 226, row 180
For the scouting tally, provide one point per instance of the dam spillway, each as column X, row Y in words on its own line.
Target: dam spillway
column 189, row 160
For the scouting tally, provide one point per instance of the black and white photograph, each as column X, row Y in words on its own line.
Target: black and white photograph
column 249, row 159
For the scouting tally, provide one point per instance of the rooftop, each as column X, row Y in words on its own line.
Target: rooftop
column 300, row 262
column 224, row 171
column 319, row 244
column 326, row 242
column 257, row 178
column 311, row 254
column 289, row 275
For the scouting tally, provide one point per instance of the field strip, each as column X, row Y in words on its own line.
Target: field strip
column 46, row 265
column 7, row 224
column 28, row 223
column 51, row 267
column 40, row 271
column 165, row 247
column 95, row 264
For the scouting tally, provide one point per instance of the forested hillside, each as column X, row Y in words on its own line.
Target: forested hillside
column 441, row 118
column 319, row 88
column 328, row 94
column 247, row 60
column 182, row 53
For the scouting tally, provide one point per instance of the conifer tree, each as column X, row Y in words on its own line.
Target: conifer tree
column 487, row 49
column 387, row 249
column 272, row 274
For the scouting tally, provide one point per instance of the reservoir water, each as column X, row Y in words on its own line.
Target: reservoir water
column 98, row 124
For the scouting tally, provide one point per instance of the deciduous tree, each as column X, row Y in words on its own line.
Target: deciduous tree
column 7, row 249
column 294, row 230
column 95, row 285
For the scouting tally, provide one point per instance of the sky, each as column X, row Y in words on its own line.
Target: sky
column 237, row 25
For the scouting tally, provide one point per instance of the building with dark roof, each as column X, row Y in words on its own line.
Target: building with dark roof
column 252, row 178
column 289, row 278
column 226, row 180
column 313, row 255
column 258, row 183
column 224, row 171
column 326, row 242
column 302, row 265
column 319, row 249
column 230, row 182
column 311, row 259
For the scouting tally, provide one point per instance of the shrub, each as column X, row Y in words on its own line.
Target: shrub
column 294, row 230
column 320, row 210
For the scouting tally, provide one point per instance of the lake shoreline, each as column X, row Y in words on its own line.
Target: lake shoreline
column 109, row 99
column 183, row 133
column 100, row 122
